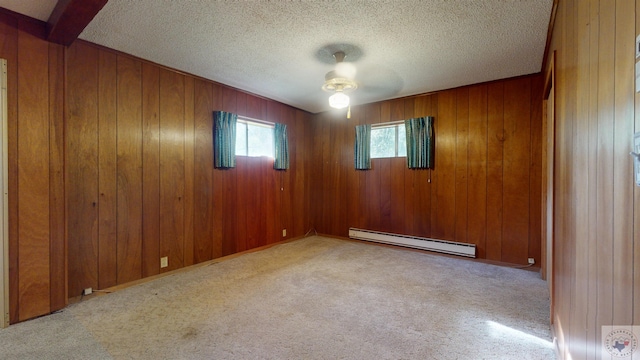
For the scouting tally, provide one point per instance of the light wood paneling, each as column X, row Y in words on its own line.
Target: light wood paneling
column 594, row 193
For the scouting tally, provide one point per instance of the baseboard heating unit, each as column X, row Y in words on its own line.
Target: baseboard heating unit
column 443, row 246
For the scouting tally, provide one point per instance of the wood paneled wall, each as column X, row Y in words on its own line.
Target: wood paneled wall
column 485, row 186
column 597, row 206
column 140, row 181
column 37, row 250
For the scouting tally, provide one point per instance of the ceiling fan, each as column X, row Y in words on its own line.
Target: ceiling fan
column 340, row 81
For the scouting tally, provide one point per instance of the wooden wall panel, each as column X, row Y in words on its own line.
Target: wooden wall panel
column 107, row 159
column 58, row 246
column 228, row 204
column 517, row 149
column 218, row 199
column 9, row 51
column 461, row 164
column 172, row 169
column 189, row 172
column 151, row 170
column 81, row 159
column 129, row 169
column 495, row 179
column 422, row 181
column 624, row 85
column 203, row 172
column 33, row 179
column 477, row 170
column 462, row 197
column 240, row 232
column 595, row 196
column 445, row 170
column 138, row 179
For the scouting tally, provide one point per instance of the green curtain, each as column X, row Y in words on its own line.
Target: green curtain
column 419, row 142
column 224, row 139
column 362, row 148
column 281, row 144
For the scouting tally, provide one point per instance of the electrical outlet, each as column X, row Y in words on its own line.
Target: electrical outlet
column 164, row 262
column 532, row 261
column 87, row 291
column 284, row 232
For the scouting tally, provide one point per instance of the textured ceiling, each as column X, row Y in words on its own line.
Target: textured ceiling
column 282, row 49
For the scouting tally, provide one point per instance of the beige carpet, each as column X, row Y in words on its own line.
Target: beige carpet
column 315, row 298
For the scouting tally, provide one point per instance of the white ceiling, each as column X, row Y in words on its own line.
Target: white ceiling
column 282, row 49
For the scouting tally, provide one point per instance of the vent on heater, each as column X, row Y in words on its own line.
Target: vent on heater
column 443, row 246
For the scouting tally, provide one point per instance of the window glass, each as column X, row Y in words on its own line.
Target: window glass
column 402, row 141
column 254, row 139
column 388, row 141
column 260, row 140
column 241, row 138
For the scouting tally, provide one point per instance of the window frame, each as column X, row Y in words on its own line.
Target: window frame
column 259, row 123
column 396, row 126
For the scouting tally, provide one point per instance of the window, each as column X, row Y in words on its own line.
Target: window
column 254, row 138
column 388, row 140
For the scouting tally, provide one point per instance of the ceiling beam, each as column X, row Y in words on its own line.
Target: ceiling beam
column 70, row 17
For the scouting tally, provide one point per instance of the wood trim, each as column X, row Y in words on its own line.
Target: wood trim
column 69, row 18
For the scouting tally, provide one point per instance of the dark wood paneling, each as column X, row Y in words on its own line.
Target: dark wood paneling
column 82, row 167
column 58, row 248
column 228, row 182
column 151, row 170
column 461, row 164
column 69, row 18
column 218, row 199
column 477, row 170
column 240, row 233
column 203, row 199
column 9, row 51
column 535, row 172
column 495, row 143
column 189, row 165
column 398, row 173
column 445, row 170
column 515, row 226
column 172, row 174
column 129, row 170
column 422, row 178
column 136, row 143
column 462, row 197
column 107, row 159
column 33, row 175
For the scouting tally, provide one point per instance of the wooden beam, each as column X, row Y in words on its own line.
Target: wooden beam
column 70, row 17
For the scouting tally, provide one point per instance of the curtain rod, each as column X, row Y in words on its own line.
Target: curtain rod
column 390, row 123
column 242, row 117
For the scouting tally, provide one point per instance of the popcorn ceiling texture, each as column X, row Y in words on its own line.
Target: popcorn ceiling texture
column 271, row 48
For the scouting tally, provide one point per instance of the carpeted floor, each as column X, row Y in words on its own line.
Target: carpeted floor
column 315, row 298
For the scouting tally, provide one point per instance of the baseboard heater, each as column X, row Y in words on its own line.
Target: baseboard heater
column 443, row 246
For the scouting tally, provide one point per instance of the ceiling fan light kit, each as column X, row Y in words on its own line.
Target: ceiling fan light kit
column 339, row 100
column 335, row 82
